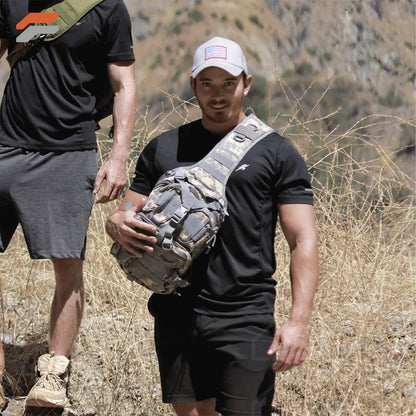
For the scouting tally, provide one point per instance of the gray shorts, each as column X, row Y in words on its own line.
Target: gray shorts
column 50, row 195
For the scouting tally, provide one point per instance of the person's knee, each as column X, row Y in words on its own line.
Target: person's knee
column 68, row 274
column 202, row 408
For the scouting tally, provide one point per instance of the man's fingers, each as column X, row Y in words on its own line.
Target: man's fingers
column 137, row 249
column 115, row 192
column 142, row 227
column 274, row 345
column 98, row 181
column 105, row 196
column 280, row 362
column 288, row 359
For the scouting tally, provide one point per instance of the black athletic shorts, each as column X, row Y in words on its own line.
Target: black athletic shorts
column 225, row 358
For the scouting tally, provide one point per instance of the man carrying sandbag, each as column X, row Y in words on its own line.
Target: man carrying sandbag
column 216, row 339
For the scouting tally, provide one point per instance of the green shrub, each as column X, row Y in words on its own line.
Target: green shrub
column 391, row 99
column 408, row 45
column 304, row 68
column 254, row 54
column 176, row 29
column 196, row 16
column 327, row 56
column 157, row 62
column 239, row 24
column 254, row 19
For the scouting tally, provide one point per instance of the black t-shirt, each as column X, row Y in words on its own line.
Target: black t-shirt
column 49, row 99
column 235, row 277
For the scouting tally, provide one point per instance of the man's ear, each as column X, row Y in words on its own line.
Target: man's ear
column 247, row 84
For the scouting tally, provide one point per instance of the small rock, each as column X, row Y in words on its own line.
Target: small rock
column 349, row 331
column 409, row 391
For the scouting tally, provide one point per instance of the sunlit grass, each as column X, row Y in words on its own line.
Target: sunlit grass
column 363, row 334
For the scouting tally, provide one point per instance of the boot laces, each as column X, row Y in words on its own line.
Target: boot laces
column 51, row 382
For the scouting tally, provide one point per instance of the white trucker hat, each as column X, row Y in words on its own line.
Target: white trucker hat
column 222, row 53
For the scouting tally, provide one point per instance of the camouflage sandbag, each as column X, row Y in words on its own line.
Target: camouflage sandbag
column 188, row 207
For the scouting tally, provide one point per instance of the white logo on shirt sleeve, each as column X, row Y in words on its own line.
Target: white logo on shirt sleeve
column 242, row 167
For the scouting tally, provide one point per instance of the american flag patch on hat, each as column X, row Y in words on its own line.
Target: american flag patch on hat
column 216, row 52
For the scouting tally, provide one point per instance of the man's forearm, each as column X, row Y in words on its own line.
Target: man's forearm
column 122, row 80
column 124, row 113
column 304, row 274
column 113, row 171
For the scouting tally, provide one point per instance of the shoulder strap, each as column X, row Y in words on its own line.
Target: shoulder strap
column 70, row 12
column 215, row 168
column 227, row 154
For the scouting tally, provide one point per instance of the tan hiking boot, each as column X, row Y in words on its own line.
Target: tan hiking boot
column 50, row 389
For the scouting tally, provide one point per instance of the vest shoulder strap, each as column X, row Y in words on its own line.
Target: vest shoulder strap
column 212, row 172
column 70, row 12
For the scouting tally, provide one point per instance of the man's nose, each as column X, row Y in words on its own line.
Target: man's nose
column 218, row 92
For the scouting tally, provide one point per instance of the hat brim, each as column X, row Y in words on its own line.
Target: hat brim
column 234, row 70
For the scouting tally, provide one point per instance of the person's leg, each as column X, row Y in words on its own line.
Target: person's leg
column 190, row 394
column 11, row 161
column 202, row 408
column 244, row 370
column 55, row 226
column 67, row 305
column 65, row 319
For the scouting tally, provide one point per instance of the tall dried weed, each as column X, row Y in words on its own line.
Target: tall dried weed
column 363, row 335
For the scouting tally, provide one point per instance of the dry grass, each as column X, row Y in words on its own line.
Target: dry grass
column 363, row 335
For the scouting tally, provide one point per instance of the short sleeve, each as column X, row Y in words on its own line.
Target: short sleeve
column 118, row 42
column 145, row 176
column 293, row 185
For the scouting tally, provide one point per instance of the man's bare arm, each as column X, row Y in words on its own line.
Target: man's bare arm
column 298, row 224
column 113, row 172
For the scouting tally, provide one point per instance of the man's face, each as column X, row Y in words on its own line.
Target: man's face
column 220, row 96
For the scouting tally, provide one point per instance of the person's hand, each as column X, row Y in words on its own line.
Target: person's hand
column 134, row 235
column 113, row 172
column 293, row 339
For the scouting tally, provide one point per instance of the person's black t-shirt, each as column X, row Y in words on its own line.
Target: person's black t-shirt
column 49, row 100
column 235, row 277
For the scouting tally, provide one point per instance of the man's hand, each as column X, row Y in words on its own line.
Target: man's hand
column 293, row 339
column 134, row 235
column 113, row 172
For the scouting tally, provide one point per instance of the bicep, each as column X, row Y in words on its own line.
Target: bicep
column 121, row 74
column 297, row 222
